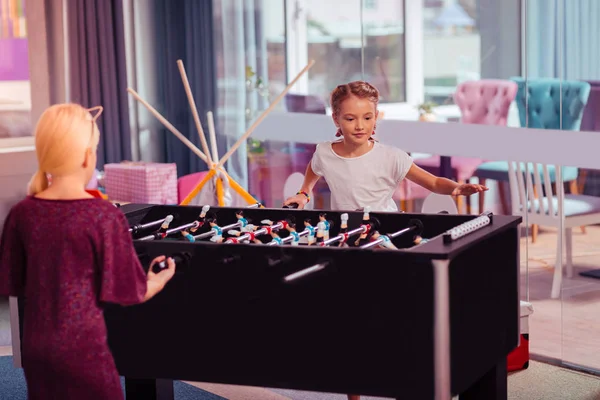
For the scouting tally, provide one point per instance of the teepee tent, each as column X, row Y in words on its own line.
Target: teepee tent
column 217, row 187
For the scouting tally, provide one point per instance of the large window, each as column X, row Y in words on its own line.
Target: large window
column 451, row 34
column 15, row 95
column 356, row 41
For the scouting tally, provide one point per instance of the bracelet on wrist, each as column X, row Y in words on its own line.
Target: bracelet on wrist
column 305, row 195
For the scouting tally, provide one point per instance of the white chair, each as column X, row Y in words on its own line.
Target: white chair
column 436, row 203
column 533, row 197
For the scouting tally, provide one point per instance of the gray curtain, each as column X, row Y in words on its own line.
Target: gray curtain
column 239, row 42
column 98, row 73
column 562, row 39
column 184, row 30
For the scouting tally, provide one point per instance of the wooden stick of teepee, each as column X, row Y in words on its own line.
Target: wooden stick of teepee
column 170, row 127
column 188, row 91
column 212, row 135
column 262, row 116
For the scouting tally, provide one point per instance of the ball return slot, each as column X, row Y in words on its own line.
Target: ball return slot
column 466, row 228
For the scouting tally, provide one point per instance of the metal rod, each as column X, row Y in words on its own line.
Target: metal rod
column 136, row 228
column 391, row 236
column 289, row 238
column 358, row 231
column 304, row 272
column 172, row 230
column 211, row 233
column 262, row 231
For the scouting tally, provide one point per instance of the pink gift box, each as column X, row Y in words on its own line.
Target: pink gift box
column 138, row 182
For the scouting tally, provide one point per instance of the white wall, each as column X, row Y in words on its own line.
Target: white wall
column 47, row 77
column 15, row 95
column 460, row 52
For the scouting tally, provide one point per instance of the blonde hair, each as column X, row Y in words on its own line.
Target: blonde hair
column 63, row 134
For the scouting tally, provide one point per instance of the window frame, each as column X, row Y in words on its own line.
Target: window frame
column 296, row 48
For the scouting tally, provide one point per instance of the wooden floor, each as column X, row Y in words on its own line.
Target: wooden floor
column 567, row 328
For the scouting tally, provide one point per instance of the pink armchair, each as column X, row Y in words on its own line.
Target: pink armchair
column 485, row 102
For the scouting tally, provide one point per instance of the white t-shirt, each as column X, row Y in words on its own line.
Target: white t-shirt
column 368, row 180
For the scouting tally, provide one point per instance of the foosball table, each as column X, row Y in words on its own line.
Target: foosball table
column 407, row 306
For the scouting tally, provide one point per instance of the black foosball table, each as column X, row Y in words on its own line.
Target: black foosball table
column 407, row 306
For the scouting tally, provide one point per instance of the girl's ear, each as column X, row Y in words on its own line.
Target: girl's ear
column 87, row 158
column 335, row 120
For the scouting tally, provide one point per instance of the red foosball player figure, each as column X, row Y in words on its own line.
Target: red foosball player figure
column 201, row 218
column 162, row 232
column 365, row 237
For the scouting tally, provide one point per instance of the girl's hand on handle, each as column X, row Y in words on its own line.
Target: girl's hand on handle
column 164, row 275
column 157, row 281
column 299, row 199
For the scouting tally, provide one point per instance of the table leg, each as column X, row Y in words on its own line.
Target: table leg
column 491, row 386
column 149, row 389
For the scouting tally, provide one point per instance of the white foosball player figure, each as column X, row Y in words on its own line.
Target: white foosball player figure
column 201, row 218
column 323, row 228
column 343, row 228
column 311, row 237
column 217, row 237
column 291, row 228
column 387, row 242
column 245, row 227
column 188, row 236
column 276, row 238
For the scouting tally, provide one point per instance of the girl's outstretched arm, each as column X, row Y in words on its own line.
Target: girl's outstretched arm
column 310, row 179
column 439, row 185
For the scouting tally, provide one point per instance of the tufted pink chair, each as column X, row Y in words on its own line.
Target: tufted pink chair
column 485, row 102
